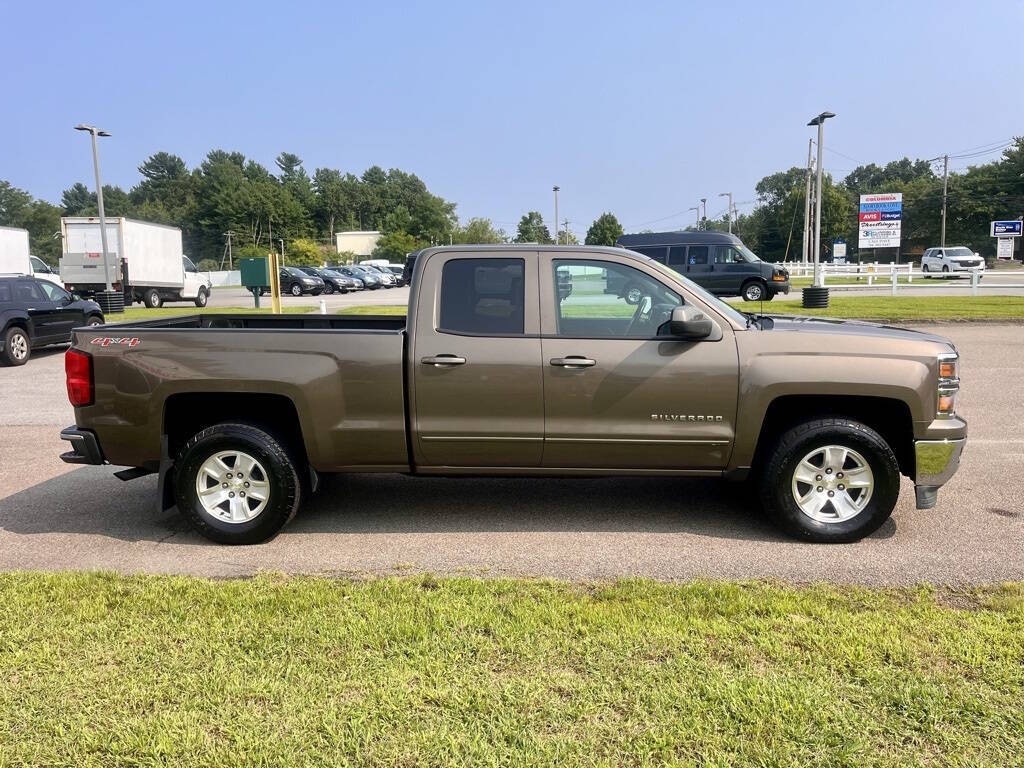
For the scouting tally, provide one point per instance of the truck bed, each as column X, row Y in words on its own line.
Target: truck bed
column 339, row 378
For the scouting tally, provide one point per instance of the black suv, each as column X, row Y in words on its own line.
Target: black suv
column 35, row 313
column 716, row 261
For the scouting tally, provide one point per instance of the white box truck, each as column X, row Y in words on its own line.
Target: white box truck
column 16, row 257
column 144, row 260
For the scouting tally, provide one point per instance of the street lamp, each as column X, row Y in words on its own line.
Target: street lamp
column 704, row 202
column 820, row 122
column 555, row 189
column 729, row 213
column 94, row 132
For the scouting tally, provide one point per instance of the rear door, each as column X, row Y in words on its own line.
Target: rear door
column 44, row 313
column 620, row 394
column 475, row 361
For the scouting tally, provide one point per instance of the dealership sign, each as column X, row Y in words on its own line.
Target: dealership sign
column 880, row 220
column 1007, row 228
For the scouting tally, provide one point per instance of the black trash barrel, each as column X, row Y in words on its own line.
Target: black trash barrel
column 111, row 302
column 815, row 298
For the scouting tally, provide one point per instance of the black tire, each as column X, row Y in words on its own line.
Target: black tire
column 945, row 268
column 776, row 480
column 152, row 299
column 924, row 267
column 754, row 290
column 17, row 347
column 295, row 290
column 202, row 297
column 328, row 289
column 282, row 472
column 633, row 294
column 94, row 320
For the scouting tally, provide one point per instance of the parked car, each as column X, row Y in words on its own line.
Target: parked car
column 954, row 260
column 387, row 279
column 296, row 282
column 398, row 270
column 35, row 313
column 371, row 280
column 495, row 372
column 716, row 261
column 334, row 282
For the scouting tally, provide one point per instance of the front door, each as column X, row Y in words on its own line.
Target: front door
column 67, row 314
column 476, row 370
column 619, row 393
column 44, row 313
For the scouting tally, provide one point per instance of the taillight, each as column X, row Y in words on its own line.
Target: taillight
column 78, row 370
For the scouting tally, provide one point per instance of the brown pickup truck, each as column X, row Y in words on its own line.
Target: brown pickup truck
column 521, row 361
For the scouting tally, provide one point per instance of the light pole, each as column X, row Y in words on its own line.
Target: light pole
column 729, row 213
column 281, row 241
column 697, row 209
column 555, row 190
column 704, row 218
column 94, row 132
column 807, row 204
column 820, row 122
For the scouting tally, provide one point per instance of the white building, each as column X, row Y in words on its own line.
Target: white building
column 359, row 243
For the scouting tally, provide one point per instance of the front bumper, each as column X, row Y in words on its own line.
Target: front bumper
column 936, row 461
column 85, row 448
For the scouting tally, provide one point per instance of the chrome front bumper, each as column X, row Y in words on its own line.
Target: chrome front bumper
column 936, row 462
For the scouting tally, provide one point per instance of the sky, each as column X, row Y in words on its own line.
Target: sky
column 631, row 107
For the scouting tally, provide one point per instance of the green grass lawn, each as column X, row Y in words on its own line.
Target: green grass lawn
column 101, row 670
column 131, row 314
column 900, row 308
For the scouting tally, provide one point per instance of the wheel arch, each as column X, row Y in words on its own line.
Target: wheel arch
column 888, row 416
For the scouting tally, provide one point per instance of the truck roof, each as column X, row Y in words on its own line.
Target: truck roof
column 678, row 238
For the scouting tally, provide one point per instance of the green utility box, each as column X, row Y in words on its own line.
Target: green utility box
column 255, row 272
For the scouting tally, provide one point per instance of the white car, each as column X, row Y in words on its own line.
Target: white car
column 955, row 260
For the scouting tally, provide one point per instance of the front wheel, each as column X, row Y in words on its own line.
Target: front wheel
column 328, row 289
column 236, row 484
column 202, row 297
column 754, row 291
column 830, row 480
column 296, row 289
column 94, row 320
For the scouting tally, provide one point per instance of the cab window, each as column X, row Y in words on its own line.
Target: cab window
column 727, row 254
column 483, row 297
column 186, row 262
column 604, row 299
column 54, row 292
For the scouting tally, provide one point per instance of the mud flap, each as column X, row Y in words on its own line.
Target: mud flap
column 165, row 480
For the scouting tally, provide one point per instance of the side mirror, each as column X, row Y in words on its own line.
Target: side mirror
column 689, row 323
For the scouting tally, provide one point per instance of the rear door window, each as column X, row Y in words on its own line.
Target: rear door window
column 24, row 291
column 5, row 292
column 483, row 297
column 677, row 257
column 698, row 255
column 656, row 252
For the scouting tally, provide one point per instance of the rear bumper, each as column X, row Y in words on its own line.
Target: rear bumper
column 936, row 462
column 85, row 448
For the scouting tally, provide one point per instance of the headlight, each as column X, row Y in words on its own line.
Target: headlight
column 949, row 383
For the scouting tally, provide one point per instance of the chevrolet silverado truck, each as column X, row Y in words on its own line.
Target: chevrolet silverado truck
column 515, row 360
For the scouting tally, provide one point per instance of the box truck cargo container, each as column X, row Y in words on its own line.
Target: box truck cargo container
column 16, row 257
column 144, row 261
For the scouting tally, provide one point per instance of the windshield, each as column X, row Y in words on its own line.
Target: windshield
column 960, row 253
column 295, row 272
column 708, row 298
column 748, row 254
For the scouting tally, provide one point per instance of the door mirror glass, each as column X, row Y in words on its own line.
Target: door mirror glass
column 690, row 323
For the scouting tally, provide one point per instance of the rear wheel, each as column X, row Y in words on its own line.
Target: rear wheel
column 633, row 294
column 830, row 480
column 236, row 484
column 17, row 348
column 152, row 299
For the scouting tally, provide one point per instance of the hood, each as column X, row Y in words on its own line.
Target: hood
column 825, row 325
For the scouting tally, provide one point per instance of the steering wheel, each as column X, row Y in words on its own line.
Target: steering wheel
column 641, row 316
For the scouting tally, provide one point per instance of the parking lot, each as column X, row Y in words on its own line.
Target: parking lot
column 53, row 515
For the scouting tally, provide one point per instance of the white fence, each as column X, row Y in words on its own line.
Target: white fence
column 900, row 277
column 224, row 277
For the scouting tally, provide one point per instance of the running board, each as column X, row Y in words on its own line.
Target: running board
column 132, row 473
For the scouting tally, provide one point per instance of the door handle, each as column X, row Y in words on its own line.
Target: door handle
column 573, row 361
column 440, row 361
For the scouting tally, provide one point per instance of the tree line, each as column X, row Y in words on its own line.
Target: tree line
column 228, row 192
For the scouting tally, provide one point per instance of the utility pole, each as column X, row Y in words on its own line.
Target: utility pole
column 945, row 187
column 231, row 264
column 281, row 241
column 729, row 212
column 807, row 203
column 555, row 190
column 820, row 122
column 94, row 132
column 565, row 228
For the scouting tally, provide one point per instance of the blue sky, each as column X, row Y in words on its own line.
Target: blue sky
column 638, row 108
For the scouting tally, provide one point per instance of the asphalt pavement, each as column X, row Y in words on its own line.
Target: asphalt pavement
column 55, row 516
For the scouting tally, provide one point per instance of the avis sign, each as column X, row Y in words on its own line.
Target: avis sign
column 880, row 220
